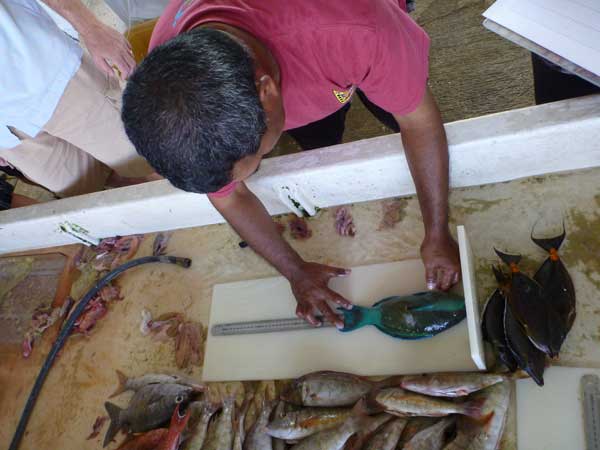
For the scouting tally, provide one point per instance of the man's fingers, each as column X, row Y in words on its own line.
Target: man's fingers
column 446, row 277
column 339, row 300
column 329, row 315
column 304, row 311
column 104, row 66
column 337, row 271
column 431, row 276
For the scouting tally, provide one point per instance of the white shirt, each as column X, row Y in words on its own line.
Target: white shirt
column 37, row 61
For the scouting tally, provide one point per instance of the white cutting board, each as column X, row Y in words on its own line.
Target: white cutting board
column 366, row 351
column 551, row 417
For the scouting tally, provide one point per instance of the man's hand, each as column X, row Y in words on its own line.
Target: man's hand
column 442, row 263
column 108, row 47
column 310, row 287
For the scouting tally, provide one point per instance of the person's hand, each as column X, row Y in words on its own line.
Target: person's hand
column 442, row 262
column 108, row 48
column 310, row 287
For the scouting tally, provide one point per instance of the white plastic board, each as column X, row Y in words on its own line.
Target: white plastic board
column 551, row 417
column 366, row 351
column 570, row 29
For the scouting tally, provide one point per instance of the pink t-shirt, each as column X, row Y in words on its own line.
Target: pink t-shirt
column 325, row 50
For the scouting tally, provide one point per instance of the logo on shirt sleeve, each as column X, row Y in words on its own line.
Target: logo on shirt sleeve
column 344, row 96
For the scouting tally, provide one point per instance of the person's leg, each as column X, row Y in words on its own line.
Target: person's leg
column 56, row 165
column 88, row 117
column 553, row 84
column 380, row 114
column 322, row 133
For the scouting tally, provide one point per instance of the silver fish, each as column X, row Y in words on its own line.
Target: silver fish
column 257, row 438
column 302, row 423
column 220, row 436
column 450, row 384
column 364, row 435
column 329, row 388
column 136, row 383
column 239, row 434
column 198, row 435
column 403, row 403
column 387, row 438
column 336, row 438
column 486, row 435
column 150, row 407
column 280, row 411
column 431, row 438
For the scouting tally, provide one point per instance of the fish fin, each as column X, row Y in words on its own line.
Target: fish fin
column 550, row 243
column 474, row 408
column 518, row 375
column 368, row 404
column 392, row 381
column 121, row 386
column 114, row 413
column 508, row 258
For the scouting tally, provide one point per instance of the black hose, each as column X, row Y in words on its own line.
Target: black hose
column 68, row 327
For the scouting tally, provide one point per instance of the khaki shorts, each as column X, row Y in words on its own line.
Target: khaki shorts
column 83, row 140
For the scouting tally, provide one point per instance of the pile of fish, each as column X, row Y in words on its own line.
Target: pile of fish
column 527, row 318
column 319, row 411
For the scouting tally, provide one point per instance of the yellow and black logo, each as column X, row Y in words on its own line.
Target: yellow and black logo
column 344, row 96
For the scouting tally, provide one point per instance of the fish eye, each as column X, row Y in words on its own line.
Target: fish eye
column 179, row 399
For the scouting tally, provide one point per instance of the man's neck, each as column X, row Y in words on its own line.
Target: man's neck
column 266, row 64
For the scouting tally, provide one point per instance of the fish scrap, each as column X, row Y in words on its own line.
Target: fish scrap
column 299, row 228
column 159, row 246
column 96, row 309
column 344, row 223
column 42, row 319
column 98, row 424
column 393, row 213
column 149, row 440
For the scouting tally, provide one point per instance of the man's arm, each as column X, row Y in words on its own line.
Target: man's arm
column 247, row 215
column 106, row 45
column 426, row 148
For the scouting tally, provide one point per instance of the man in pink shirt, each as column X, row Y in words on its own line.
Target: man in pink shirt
column 225, row 78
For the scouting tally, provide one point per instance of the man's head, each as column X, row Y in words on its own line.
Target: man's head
column 201, row 112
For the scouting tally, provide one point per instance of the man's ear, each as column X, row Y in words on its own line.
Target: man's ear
column 268, row 92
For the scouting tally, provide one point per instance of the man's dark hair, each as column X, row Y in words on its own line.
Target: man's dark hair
column 192, row 109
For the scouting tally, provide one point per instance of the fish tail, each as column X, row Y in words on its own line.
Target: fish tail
column 507, row 258
column 121, row 386
column 474, row 408
column 551, row 243
column 501, row 277
column 114, row 413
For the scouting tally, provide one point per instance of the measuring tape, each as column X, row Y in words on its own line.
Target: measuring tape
column 264, row 326
column 590, row 387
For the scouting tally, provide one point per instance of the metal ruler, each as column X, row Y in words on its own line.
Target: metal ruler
column 264, row 326
column 590, row 388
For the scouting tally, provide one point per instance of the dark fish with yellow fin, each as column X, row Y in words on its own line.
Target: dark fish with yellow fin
column 528, row 356
column 557, row 290
column 492, row 323
column 526, row 303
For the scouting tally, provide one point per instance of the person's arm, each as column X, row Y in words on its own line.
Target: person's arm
column 105, row 44
column 426, row 149
column 247, row 215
